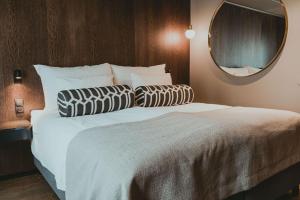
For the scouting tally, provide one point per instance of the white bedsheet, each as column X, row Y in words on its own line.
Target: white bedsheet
column 52, row 134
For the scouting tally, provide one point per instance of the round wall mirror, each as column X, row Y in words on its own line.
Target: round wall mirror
column 246, row 36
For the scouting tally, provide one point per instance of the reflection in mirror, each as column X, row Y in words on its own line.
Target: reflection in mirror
column 246, row 36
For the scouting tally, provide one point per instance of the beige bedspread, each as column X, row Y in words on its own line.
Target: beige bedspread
column 181, row 156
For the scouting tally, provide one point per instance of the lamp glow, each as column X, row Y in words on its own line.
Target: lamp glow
column 190, row 33
column 172, row 38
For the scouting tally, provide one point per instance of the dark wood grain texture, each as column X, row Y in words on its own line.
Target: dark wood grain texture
column 23, row 42
column 15, row 157
column 78, row 32
column 243, row 37
column 26, row 188
column 90, row 32
column 155, row 22
column 15, row 148
column 34, row 187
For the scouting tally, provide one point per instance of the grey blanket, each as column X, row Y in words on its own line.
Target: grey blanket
column 181, row 156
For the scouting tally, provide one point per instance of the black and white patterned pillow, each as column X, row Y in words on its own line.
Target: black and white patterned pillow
column 89, row 101
column 163, row 95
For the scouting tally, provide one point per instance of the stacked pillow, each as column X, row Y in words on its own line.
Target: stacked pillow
column 56, row 79
column 122, row 74
column 89, row 90
column 144, row 80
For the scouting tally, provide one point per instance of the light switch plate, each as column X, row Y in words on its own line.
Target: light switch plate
column 19, row 106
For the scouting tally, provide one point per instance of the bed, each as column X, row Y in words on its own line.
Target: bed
column 127, row 133
column 241, row 71
column 55, row 137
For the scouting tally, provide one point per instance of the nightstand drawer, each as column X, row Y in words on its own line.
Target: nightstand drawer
column 15, row 158
column 15, row 148
column 15, row 135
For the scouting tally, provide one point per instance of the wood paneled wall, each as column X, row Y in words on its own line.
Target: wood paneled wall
column 243, row 37
column 159, row 35
column 23, row 41
column 78, row 32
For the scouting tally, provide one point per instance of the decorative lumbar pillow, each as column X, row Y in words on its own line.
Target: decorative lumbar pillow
column 163, row 95
column 122, row 74
column 89, row 101
column 55, row 79
column 144, row 80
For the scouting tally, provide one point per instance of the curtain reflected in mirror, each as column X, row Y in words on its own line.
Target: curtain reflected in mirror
column 246, row 36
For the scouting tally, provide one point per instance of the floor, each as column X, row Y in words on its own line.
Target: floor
column 33, row 187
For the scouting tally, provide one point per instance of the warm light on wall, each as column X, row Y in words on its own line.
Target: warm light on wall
column 190, row 33
column 172, row 38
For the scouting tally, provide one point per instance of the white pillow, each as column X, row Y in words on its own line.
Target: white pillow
column 46, row 71
column 122, row 74
column 55, row 79
column 85, row 82
column 143, row 80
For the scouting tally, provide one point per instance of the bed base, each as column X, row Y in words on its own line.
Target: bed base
column 49, row 177
column 271, row 188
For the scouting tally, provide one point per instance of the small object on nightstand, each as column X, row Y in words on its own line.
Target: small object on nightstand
column 15, row 151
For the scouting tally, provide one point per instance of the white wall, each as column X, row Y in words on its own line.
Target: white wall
column 278, row 87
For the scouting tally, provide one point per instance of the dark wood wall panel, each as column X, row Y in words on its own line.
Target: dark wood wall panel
column 155, row 22
column 243, row 37
column 3, row 35
column 78, row 32
column 23, row 42
column 90, row 32
column 15, row 157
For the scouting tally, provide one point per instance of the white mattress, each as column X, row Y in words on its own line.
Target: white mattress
column 52, row 134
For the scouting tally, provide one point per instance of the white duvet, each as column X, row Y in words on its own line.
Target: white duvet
column 52, row 133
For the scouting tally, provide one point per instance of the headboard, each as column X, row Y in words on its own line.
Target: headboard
column 76, row 32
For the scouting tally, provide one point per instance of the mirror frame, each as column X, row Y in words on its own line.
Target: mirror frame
column 277, row 55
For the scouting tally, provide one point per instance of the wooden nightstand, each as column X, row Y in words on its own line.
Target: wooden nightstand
column 15, row 150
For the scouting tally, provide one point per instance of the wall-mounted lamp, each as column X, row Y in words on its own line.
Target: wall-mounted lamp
column 18, row 76
column 190, row 33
